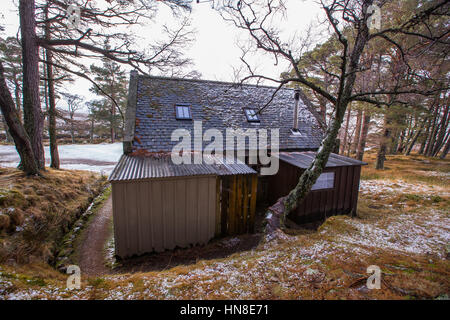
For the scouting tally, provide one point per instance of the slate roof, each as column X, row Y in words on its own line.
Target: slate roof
column 131, row 168
column 218, row 105
column 304, row 159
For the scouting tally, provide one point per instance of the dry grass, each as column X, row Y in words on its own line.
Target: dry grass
column 413, row 168
column 36, row 212
column 406, row 234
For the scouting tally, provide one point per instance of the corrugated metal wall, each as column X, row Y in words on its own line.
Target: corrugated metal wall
column 160, row 214
column 318, row 204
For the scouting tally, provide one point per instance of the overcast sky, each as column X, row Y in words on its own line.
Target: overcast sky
column 215, row 50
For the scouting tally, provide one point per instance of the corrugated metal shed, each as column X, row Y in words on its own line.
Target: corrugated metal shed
column 304, row 159
column 138, row 168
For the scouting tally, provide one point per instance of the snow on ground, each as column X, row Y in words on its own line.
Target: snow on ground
column 93, row 157
column 408, row 233
column 387, row 187
column 425, row 232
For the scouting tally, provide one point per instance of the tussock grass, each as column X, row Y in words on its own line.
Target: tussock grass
column 409, row 168
column 36, row 212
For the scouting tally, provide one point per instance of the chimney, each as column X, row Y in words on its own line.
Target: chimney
column 297, row 100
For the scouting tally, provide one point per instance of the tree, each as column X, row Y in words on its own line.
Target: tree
column 99, row 24
column 74, row 103
column 348, row 22
column 363, row 139
column 33, row 118
column 16, row 128
column 112, row 82
column 11, row 54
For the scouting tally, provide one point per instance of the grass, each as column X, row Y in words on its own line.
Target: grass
column 36, row 212
column 402, row 226
column 409, row 168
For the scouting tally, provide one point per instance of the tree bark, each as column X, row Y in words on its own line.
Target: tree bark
column 357, row 132
column 442, row 131
column 54, row 154
column 33, row 117
column 344, row 142
column 348, row 77
column 16, row 128
column 384, row 142
column 430, row 145
column 364, row 133
column 427, row 133
column 414, row 139
column 7, row 134
column 446, row 149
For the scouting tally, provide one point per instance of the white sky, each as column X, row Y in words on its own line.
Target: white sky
column 215, row 50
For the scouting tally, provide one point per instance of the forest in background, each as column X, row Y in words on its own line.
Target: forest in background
column 384, row 88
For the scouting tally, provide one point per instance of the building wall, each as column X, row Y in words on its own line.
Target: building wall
column 160, row 214
column 318, row 204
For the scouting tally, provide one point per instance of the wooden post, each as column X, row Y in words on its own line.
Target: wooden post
column 253, row 203
column 218, row 204
column 245, row 202
column 224, row 205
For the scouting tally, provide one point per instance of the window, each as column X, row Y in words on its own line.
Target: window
column 183, row 112
column 251, row 115
column 296, row 132
column 325, row 181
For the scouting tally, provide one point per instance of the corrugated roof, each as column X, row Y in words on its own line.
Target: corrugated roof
column 134, row 168
column 304, row 159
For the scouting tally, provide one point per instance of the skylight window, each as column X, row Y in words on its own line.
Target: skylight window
column 251, row 115
column 183, row 112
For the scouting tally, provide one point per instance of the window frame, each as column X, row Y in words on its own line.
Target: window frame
column 326, row 188
column 181, row 105
column 257, row 120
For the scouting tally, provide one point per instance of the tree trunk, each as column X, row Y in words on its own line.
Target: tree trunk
column 7, row 134
column 357, row 132
column 430, row 145
column 446, row 149
column 72, row 130
column 54, row 154
column 427, row 133
column 442, row 132
column 344, row 142
column 384, row 142
column 413, row 142
column 310, row 175
column 16, row 128
column 33, row 117
column 91, row 133
column 17, row 98
column 363, row 139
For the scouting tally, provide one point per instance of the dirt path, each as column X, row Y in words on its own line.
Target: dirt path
column 92, row 253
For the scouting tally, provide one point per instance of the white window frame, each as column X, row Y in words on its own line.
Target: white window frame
column 324, row 182
column 251, row 115
column 183, row 112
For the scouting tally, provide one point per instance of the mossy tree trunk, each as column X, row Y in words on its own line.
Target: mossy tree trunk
column 350, row 63
column 54, row 154
column 16, row 128
column 33, row 117
column 364, row 133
